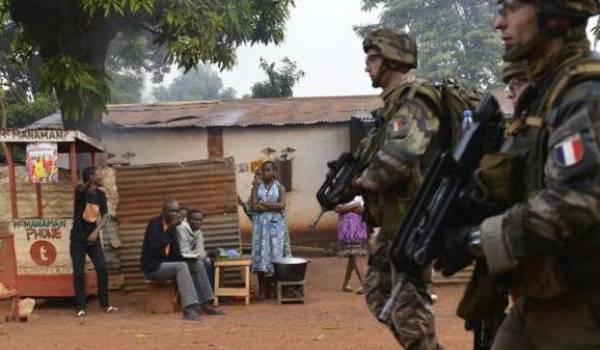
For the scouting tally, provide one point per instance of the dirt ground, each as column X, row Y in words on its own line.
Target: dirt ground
column 330, row 320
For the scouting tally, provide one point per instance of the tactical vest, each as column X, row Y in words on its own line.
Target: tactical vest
column 577, row 264
column 388, row 209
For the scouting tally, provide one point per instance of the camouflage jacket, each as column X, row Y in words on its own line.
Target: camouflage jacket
column 403, row 140
column 553, row 223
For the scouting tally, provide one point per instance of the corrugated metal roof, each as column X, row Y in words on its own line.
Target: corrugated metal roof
column 207, row 185
column 241, row 113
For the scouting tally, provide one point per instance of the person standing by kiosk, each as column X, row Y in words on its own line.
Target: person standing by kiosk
column 89, row 216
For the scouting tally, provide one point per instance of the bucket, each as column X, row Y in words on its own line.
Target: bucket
column 290, row 269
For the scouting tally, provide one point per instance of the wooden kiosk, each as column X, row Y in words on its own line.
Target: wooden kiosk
column 40, row 231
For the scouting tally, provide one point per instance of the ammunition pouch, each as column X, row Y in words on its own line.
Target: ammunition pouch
column 499, row 174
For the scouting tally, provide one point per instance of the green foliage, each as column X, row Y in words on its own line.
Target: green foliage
column 17, row 63
column 117, row 6
column 455, row 37
column 73, row 39
column 77, row 84
column 125, row 88
column 280, row 82
column 202, row 83
column 20, row 112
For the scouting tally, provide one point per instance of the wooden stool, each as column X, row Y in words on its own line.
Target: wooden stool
column 244, row 291
column 300, row 284
column 161, row 297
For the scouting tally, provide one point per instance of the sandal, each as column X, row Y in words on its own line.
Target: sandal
column 81, row 313
column 347, row 289
column 359, row 290
column 112, row 309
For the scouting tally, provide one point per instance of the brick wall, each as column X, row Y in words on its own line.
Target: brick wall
column 215, row 143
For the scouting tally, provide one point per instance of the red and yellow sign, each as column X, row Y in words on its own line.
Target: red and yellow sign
column 42, row 163
column 42, row 246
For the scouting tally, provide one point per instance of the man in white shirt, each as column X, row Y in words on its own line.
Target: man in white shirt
column 191, row 241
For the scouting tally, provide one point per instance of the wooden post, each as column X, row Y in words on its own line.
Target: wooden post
column 73, row 163
column 12, row 185
column 38, row 199
column 93, row 158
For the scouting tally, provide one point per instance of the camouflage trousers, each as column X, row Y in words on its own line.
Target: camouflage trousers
column 412, row 321
column 571, row 322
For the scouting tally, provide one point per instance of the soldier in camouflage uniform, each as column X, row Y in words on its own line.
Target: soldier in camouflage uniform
column 548, row 240
column 401, row 146
column 515, row 76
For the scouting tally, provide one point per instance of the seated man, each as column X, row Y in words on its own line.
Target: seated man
column 159, row 251
column 191, row 242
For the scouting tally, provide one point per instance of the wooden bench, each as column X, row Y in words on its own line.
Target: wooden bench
column 244, row 291
column 161, row 296
column 8, row 274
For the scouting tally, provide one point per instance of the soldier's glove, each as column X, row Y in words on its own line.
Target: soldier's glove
column 461, row 246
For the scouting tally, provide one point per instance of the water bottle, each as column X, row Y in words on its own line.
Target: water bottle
column 467, row 120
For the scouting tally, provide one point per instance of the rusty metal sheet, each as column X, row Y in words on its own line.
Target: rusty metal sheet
column 232, row 113
column 242, row 112
column 207, row 185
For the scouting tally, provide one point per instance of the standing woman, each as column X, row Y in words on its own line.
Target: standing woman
column 268, row 233
column 352, row 238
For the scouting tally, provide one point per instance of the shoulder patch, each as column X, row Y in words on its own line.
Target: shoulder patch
column 569, row 152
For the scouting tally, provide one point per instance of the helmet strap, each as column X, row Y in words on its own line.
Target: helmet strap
column 380, row 73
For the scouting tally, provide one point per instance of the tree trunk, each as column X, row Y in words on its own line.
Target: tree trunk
column 61, row 27
column 96, row 37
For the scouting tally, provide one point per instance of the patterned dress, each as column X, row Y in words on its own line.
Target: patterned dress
column 268, row 233
column 352, row 233
column 287, row 243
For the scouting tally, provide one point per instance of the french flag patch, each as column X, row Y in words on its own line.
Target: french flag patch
column 569, row 152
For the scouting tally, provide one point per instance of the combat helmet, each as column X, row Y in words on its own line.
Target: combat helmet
column 564, row 8
column 577, row 10
column 569, row 8
column 393, row 46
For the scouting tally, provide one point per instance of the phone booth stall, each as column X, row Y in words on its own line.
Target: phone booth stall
column 37, row 207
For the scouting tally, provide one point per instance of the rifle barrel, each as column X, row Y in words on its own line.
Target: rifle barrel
column 316, row 221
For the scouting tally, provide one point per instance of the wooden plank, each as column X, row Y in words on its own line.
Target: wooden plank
column 10, row 162
column 73, row 163
column 233, row 262
column 38, row 199
column 231, row 292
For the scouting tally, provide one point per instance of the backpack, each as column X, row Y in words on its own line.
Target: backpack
column 452, row 100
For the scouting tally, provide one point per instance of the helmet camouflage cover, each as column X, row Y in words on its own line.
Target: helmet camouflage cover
column 579, row 10
column 568, row 8
column 393, row 45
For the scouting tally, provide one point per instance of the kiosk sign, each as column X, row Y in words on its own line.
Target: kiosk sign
column 42, row 246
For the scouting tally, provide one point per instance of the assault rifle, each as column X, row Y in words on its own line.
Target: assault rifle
column 337, row 187
column 448, row 197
